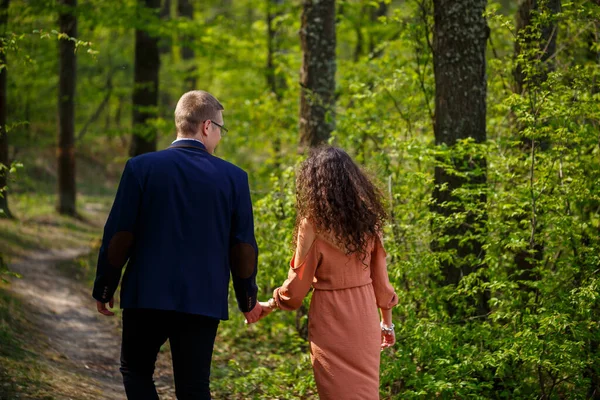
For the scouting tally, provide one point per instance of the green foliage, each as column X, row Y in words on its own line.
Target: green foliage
column 274, row 227
column 541, row 337
column 266, row 361
column 540, row 341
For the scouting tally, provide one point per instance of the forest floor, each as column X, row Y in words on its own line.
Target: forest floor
column 61, row 347
column 79, row 346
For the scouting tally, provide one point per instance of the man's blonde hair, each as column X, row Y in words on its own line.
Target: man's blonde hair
column 193, row 108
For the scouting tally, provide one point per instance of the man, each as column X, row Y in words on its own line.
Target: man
column 183, row 219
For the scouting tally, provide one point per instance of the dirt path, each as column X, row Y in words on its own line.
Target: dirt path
column 80, row 346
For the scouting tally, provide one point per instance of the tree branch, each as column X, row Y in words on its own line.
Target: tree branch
column 101, row 106
column 402, row 114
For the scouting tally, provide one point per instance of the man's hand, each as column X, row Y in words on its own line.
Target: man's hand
column 102, row 307
column 253, row 315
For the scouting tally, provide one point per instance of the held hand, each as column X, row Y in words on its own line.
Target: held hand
column 253, row 315
column 266, row 309
column 102, row 307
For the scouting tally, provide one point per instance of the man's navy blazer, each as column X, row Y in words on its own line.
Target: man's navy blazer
column 179, row 217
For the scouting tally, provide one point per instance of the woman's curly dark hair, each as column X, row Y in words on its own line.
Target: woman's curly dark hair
column 339, row 199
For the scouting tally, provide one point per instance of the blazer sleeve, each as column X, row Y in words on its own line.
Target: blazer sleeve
column 243, row 252
column 119, row 235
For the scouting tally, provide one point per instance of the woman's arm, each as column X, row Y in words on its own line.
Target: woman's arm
column 386, row 317
column 290, row 295
column 384, row 293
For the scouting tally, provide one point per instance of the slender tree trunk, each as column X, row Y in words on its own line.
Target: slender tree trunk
column 380, row 11
column 317, row 77
column 4, row 159
column 270, row 71
column 275, row 80
column 165, row 15
column 66, row 110
column 593, row 54
column 186, row 9
column 226, row 6
column 546, row 42
column 165, row 10
column 165, row 50
column 145, row 92
column 460, row 37
column 537, row 42
column 592, row 372
column 358, row 48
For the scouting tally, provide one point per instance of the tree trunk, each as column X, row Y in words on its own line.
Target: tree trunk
column 186, row 9
column 145, row 91
column 275, row 80
column 460, row 37
column 317, row 81
column 538, row 42
column 592, row 372
column 317, row 77
column 66, row 110
column 546, row 43
column 358, row 48
column 4, row 159
column 165, row 49
column 592, row 53
column 165, row 15
column 380, row 11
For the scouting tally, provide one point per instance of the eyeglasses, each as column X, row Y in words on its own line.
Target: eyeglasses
column 223, row 129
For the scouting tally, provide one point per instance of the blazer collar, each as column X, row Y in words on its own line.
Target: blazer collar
column 188, row 143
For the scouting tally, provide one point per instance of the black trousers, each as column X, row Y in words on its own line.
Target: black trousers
column 192, row 338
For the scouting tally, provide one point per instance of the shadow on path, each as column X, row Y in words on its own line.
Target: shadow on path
column 82, row 345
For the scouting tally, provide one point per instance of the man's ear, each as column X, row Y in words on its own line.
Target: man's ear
column 205, row 126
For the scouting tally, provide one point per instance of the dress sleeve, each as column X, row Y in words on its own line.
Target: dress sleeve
column 384, row 292
column 303, row 266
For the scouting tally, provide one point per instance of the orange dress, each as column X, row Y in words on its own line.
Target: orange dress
column 343, row 321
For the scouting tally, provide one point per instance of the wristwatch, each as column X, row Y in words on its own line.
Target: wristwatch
column 387, row 330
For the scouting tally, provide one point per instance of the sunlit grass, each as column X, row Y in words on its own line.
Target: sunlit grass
column 266, row 360
column 19, row 367
column 37, row 225
column 25, row 370
column 29, row 367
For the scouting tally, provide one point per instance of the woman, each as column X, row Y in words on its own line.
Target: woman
column 339, row 252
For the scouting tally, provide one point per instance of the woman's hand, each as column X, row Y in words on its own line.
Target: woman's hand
column 266, row 309
column 388, row 337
